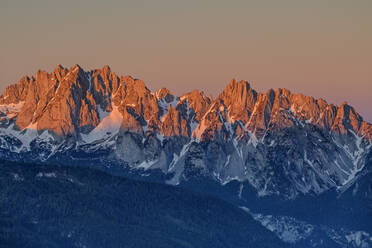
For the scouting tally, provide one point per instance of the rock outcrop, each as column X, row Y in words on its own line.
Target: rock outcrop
column 241, row 135
column 69, row 101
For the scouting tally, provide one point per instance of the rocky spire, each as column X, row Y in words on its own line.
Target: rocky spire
column 74, row 101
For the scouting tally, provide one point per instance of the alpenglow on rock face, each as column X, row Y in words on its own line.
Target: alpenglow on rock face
column 279, row 142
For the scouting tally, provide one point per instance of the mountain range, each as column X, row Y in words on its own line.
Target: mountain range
column 272, row 154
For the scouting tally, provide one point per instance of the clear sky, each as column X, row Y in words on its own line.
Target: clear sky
column 321, row 48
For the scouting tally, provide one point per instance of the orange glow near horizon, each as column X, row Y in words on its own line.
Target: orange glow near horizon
column 318, row 48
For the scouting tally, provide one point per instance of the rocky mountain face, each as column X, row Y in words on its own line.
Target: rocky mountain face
column 297, row 165
column 279, row 142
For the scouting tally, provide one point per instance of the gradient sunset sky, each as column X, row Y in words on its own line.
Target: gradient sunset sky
column 317, row 47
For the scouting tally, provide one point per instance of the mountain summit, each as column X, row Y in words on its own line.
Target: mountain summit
column 73, row 101
column 278, row 141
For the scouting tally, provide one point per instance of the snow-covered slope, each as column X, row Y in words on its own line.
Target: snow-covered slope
column 279, row 142
column 302, row 234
